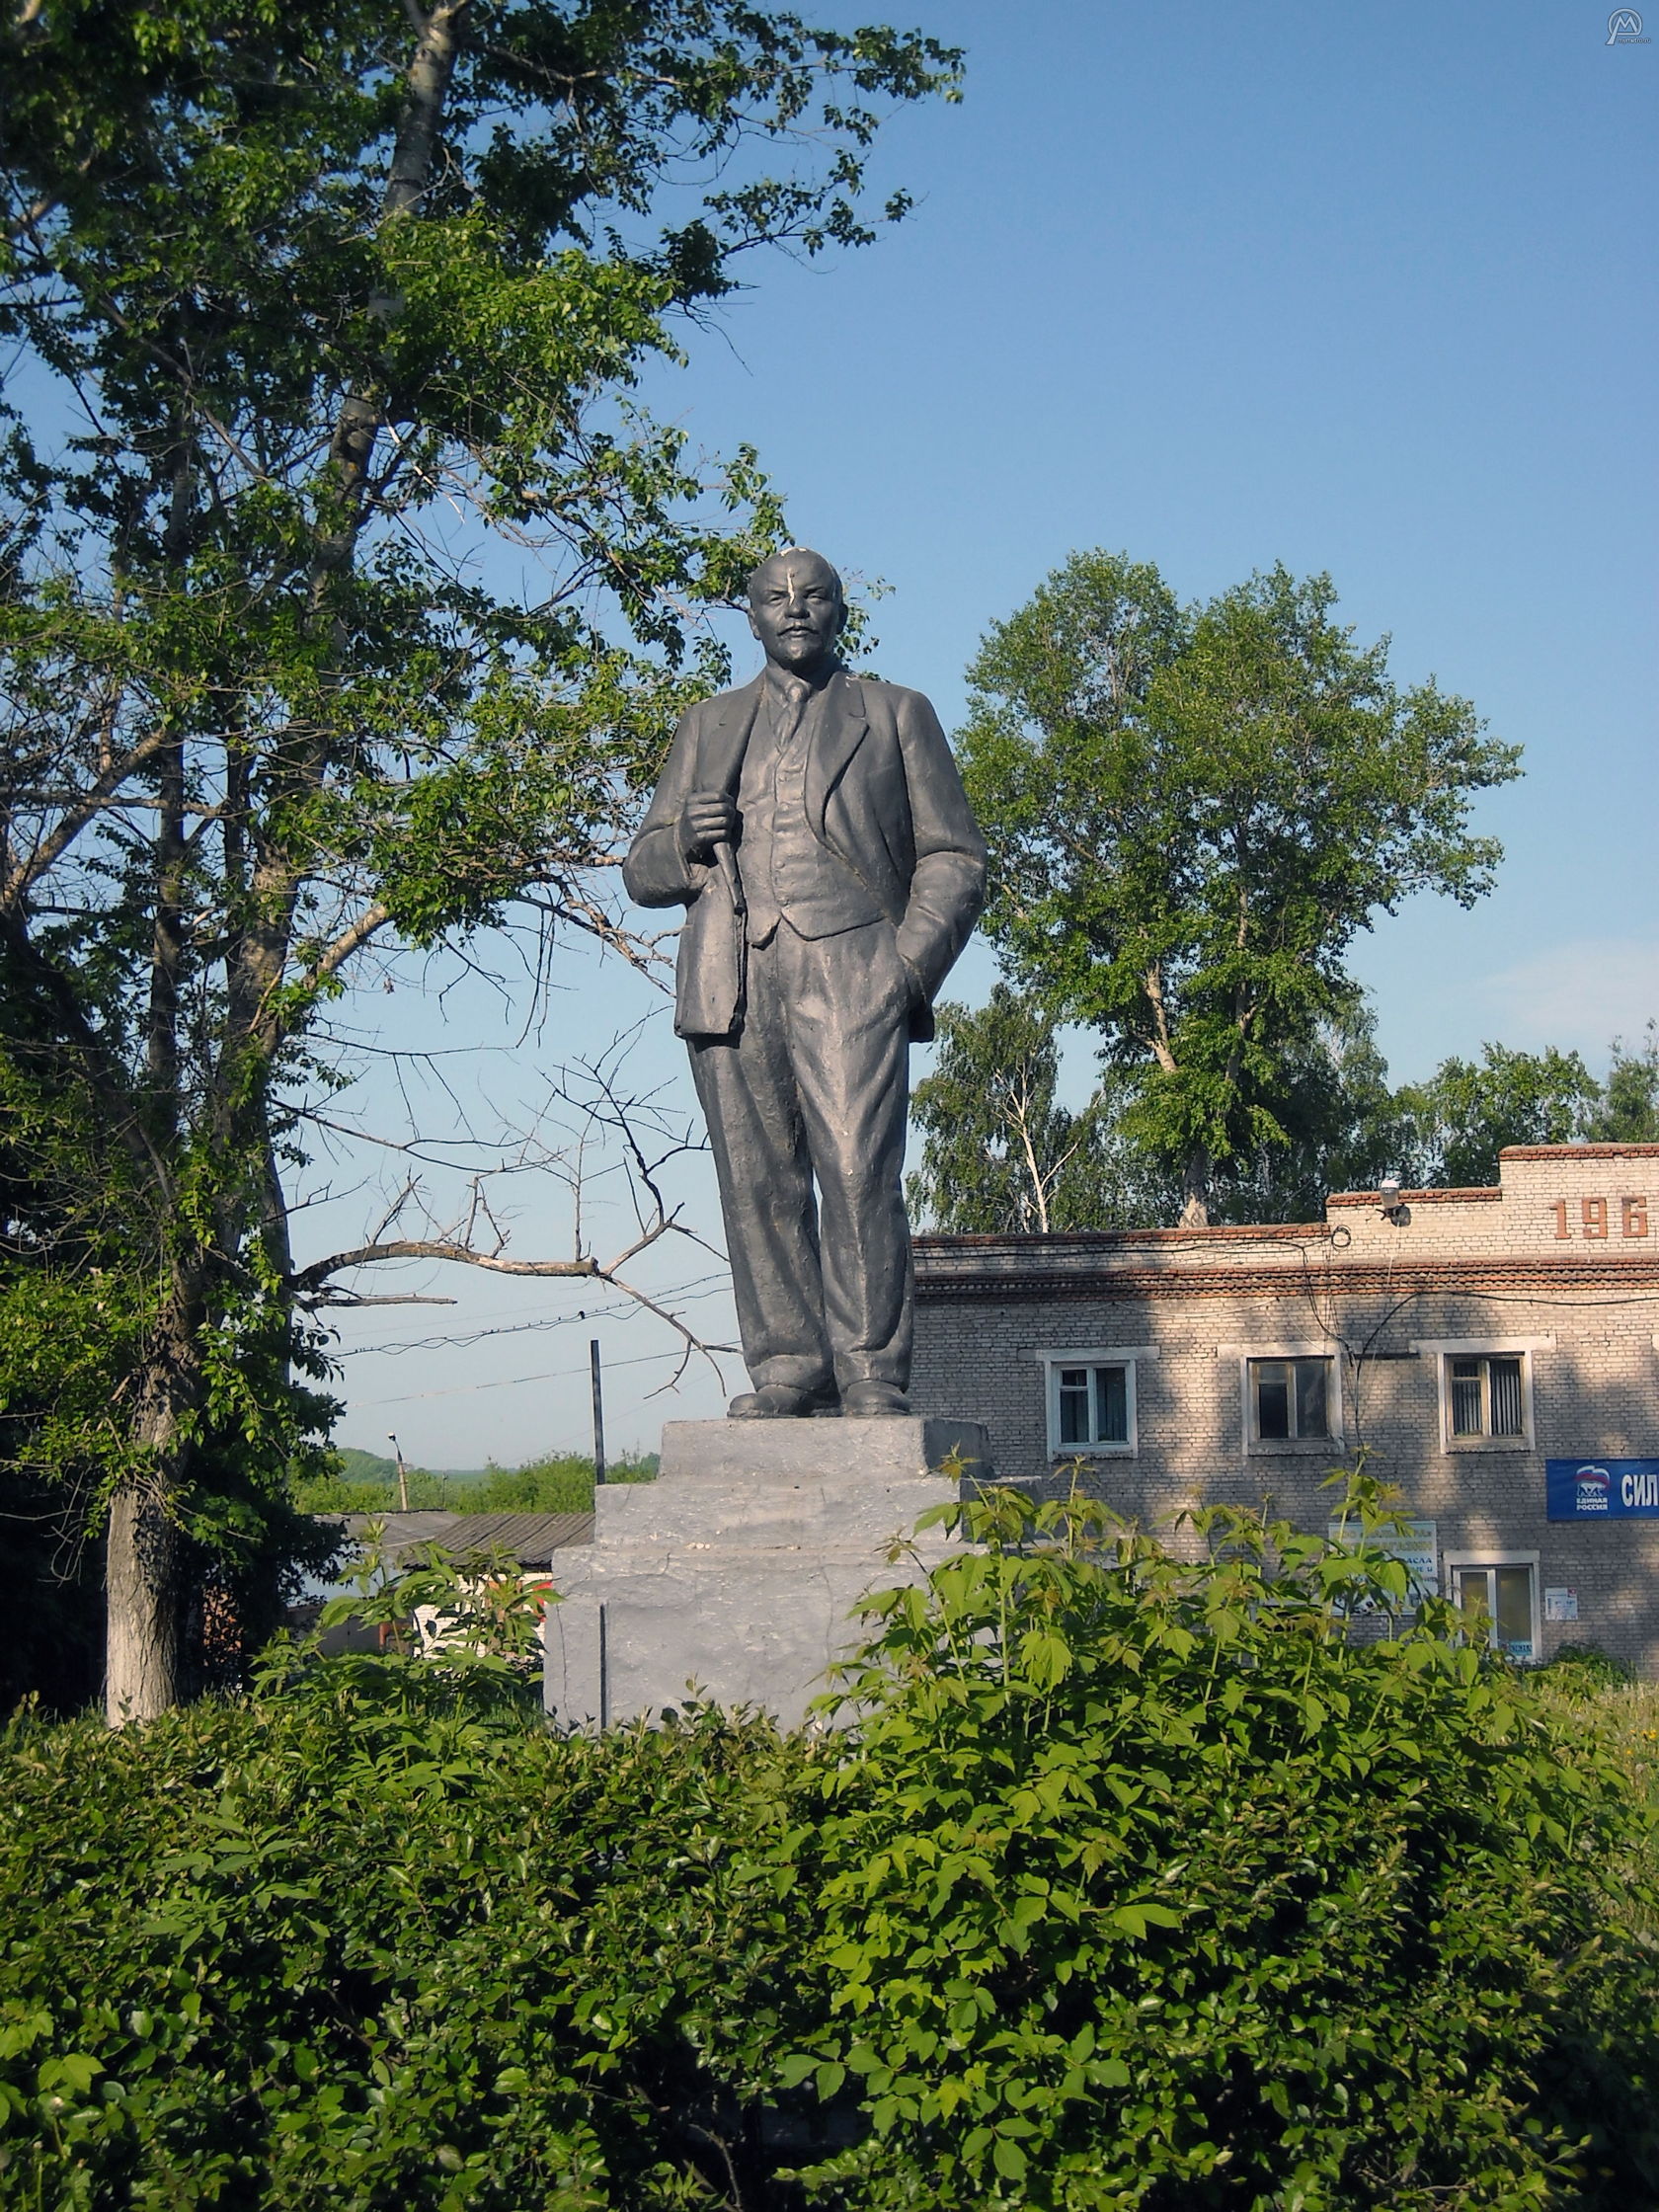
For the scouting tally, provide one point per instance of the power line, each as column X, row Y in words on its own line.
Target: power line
column 512, row 1381
column 691, row 1292
column 530, row 1286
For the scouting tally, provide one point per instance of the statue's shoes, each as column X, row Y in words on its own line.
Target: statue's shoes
column 859, row 1400
column 775, row 1402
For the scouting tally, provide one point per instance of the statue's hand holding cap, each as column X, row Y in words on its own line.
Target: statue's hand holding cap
column 707, row 819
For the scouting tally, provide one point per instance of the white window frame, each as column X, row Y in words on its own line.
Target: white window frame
column 1288, row 1446
column 1109, row 1355
column 1443, row 1350
column 1451, row 1562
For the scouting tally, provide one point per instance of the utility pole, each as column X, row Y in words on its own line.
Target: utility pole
column 403, row 1473
column 599, row 1412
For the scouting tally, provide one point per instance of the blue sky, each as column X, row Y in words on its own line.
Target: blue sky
column 1367, row 291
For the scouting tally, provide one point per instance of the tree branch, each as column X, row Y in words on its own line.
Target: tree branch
column 1160, row 1041
column 1023, row 1122
column 29, row 872
column 348, row 941
column 312, row 1280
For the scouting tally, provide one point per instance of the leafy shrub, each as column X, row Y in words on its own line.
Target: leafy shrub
column 385, row 1941
column 479, row 1610
column 1141, row 1884
column 1135, row 1885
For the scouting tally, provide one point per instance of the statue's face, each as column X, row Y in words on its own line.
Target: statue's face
column 795, row 610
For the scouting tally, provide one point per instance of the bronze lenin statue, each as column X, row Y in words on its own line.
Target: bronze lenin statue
column 814, row 825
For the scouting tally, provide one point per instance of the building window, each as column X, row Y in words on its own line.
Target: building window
column 1091, row 1399
column 1486, row 1390
column 1498, row 1599
column 1485, row 1396
column 1290, row 1400
column 1093, row 1404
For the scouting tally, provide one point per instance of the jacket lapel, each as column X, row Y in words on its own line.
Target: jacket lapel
column 840, row 732
column 720, row 755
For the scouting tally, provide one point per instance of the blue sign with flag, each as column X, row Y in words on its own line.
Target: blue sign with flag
column 1603, row 1489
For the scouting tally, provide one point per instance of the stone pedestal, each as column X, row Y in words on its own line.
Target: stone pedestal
column 739, row 1567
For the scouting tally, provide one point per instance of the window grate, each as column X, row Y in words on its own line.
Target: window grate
column 1485, row 1395
column 1505, row 1384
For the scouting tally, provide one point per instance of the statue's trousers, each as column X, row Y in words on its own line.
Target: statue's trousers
column 815, row 1086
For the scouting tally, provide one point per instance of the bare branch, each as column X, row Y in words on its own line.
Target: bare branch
column 604, row 1120
column 75, row 818
column 334, row 955
column 312, row 1278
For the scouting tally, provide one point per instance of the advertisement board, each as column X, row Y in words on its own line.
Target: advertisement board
column 1603, row 1489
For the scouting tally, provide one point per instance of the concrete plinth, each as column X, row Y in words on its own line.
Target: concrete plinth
column 739, row 1567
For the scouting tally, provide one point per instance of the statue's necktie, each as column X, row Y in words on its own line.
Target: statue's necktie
column 789, row 711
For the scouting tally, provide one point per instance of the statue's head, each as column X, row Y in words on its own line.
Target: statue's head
column 796, row 608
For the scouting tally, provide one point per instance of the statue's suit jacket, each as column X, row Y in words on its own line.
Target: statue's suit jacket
column 882, row 794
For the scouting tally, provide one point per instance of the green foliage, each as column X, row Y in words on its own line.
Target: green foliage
column 1192, row 813
column 354, row 1466
column 1627, row 1111
column 1589, row 1666
column 1342, row 1124
column 1456, row 1122
column 383, row 1940
column 1141, row 1885
column 1135, row 1885
column 476, row 1608
column 999, row 1154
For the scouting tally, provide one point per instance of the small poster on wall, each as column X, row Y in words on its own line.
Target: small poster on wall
column 1560, row 1604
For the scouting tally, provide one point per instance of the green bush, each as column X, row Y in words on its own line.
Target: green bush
column 385, row 1941
column 1136, row 1884
column 1143, row 1884
column 558, row 1483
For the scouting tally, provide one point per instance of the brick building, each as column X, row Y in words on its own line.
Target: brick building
column 1493, row 1352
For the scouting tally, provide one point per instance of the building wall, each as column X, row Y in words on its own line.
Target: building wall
column 1561, row 1263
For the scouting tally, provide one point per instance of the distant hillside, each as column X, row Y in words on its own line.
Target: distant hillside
column 369, row 1467
column 560, row 1482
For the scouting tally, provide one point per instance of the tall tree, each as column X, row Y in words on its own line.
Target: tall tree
column 304, row 305
column 1191, row 813
column 999, row 1153
column 1456, row 1122
column 1343, row 1128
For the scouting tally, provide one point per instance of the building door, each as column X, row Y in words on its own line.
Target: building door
column 1502, row 1600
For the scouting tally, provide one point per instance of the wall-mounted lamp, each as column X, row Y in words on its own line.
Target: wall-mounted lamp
column 1388, row 1191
